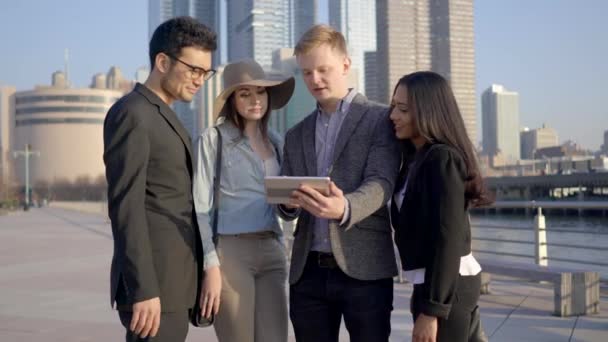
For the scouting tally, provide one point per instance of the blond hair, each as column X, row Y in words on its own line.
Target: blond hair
column 319, row 35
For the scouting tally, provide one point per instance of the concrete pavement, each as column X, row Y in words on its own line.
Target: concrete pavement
column 54, row 275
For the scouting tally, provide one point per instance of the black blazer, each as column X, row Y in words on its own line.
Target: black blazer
column 432, row 228
column 149, row 174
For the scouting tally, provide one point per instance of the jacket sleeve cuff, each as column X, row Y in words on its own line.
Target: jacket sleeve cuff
column 432, row 308
column 141, row 294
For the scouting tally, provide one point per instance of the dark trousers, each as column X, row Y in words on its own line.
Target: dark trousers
column 456, row 328
column 173, row 327
column 324, row 294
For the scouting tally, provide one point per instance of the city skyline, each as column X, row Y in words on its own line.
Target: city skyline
column 557, row 69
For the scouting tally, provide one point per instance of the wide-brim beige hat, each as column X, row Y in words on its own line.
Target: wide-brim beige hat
column 249, row 72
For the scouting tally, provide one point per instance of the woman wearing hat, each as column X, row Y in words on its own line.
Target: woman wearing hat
column 252, row 285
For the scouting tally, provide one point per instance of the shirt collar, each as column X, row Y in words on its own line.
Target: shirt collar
column 232, row 132
column 151, row 96
column 344, row 103
column 234, row 135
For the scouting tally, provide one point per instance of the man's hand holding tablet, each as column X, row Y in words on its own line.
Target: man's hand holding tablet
column 317, row 195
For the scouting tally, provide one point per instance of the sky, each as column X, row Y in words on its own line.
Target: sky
column 554, row 53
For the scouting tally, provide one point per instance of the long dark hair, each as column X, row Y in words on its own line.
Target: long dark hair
column 233, row 116
column 438, row 119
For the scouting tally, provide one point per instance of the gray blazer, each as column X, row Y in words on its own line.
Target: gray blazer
column 365, row 167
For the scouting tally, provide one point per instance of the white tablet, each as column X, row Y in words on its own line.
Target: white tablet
column 279, row 188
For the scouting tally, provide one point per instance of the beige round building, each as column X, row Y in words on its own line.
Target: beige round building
column 66, row 127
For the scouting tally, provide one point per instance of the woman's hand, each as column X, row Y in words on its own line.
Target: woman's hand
column 425, row 329
column 210, row 292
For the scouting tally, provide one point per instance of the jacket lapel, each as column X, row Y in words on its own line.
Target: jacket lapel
column 172, row 119
column 355, row 113
column 168, row 114
column 308, row 144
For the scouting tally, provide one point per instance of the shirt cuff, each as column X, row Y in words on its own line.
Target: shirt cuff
column 346, row 215
column 211, row 260
column 287, row 213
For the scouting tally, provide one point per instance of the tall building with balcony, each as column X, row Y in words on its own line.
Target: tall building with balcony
column 500, row 122
column 65, row 125
column 534, row 139
column 256, row 28
column 437, row 35
column 357, row 22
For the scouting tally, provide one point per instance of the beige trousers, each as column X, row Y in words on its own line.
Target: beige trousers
column 253, row 304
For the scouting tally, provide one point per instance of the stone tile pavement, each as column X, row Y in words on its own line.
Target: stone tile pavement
column 54, row 274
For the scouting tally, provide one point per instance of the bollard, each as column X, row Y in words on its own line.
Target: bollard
column 540, row 235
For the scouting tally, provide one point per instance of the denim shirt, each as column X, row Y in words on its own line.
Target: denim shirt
column 242, row 207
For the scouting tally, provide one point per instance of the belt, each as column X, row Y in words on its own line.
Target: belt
column 322, row 259
column 266, row 234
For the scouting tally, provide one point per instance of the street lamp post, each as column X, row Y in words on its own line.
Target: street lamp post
column 26, row 153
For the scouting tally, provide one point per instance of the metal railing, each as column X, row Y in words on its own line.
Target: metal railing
column 540, row 244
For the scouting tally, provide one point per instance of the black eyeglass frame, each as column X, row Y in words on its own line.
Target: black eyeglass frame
column 196, row 72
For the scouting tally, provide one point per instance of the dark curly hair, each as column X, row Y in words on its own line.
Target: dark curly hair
column 180, row 32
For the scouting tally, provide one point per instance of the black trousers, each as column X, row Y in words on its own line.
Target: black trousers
column 324, row 295
column 173, row 327
column 456, row 328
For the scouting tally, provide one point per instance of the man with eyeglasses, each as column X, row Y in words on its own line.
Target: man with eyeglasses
column 157, row 263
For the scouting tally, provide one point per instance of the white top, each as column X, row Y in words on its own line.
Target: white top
column 468, row 264
column 271, row 167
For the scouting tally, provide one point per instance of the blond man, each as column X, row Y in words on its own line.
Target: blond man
column 343, row 262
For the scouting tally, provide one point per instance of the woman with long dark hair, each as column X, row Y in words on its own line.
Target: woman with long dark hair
column 439, row 181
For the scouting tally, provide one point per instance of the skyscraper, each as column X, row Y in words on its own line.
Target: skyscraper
column 7, row 109
column 301, row 102
column 500, row 120
column 305, row 15
column 256, row 28
column 432, row 35
column 533, row 139
column 357, row 22
column 371, row 76
column 159, row 11
column 205, row 11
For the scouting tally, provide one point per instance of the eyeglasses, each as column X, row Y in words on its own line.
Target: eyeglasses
column 196, row 72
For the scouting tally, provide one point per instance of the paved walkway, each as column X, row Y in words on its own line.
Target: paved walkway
column 54, row 274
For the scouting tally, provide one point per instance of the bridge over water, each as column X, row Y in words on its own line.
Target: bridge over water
column 578, row 186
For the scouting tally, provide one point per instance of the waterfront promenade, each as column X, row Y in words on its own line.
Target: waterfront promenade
column 54, row 275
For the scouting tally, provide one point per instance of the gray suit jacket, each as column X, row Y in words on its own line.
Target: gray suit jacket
column 365, row 165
